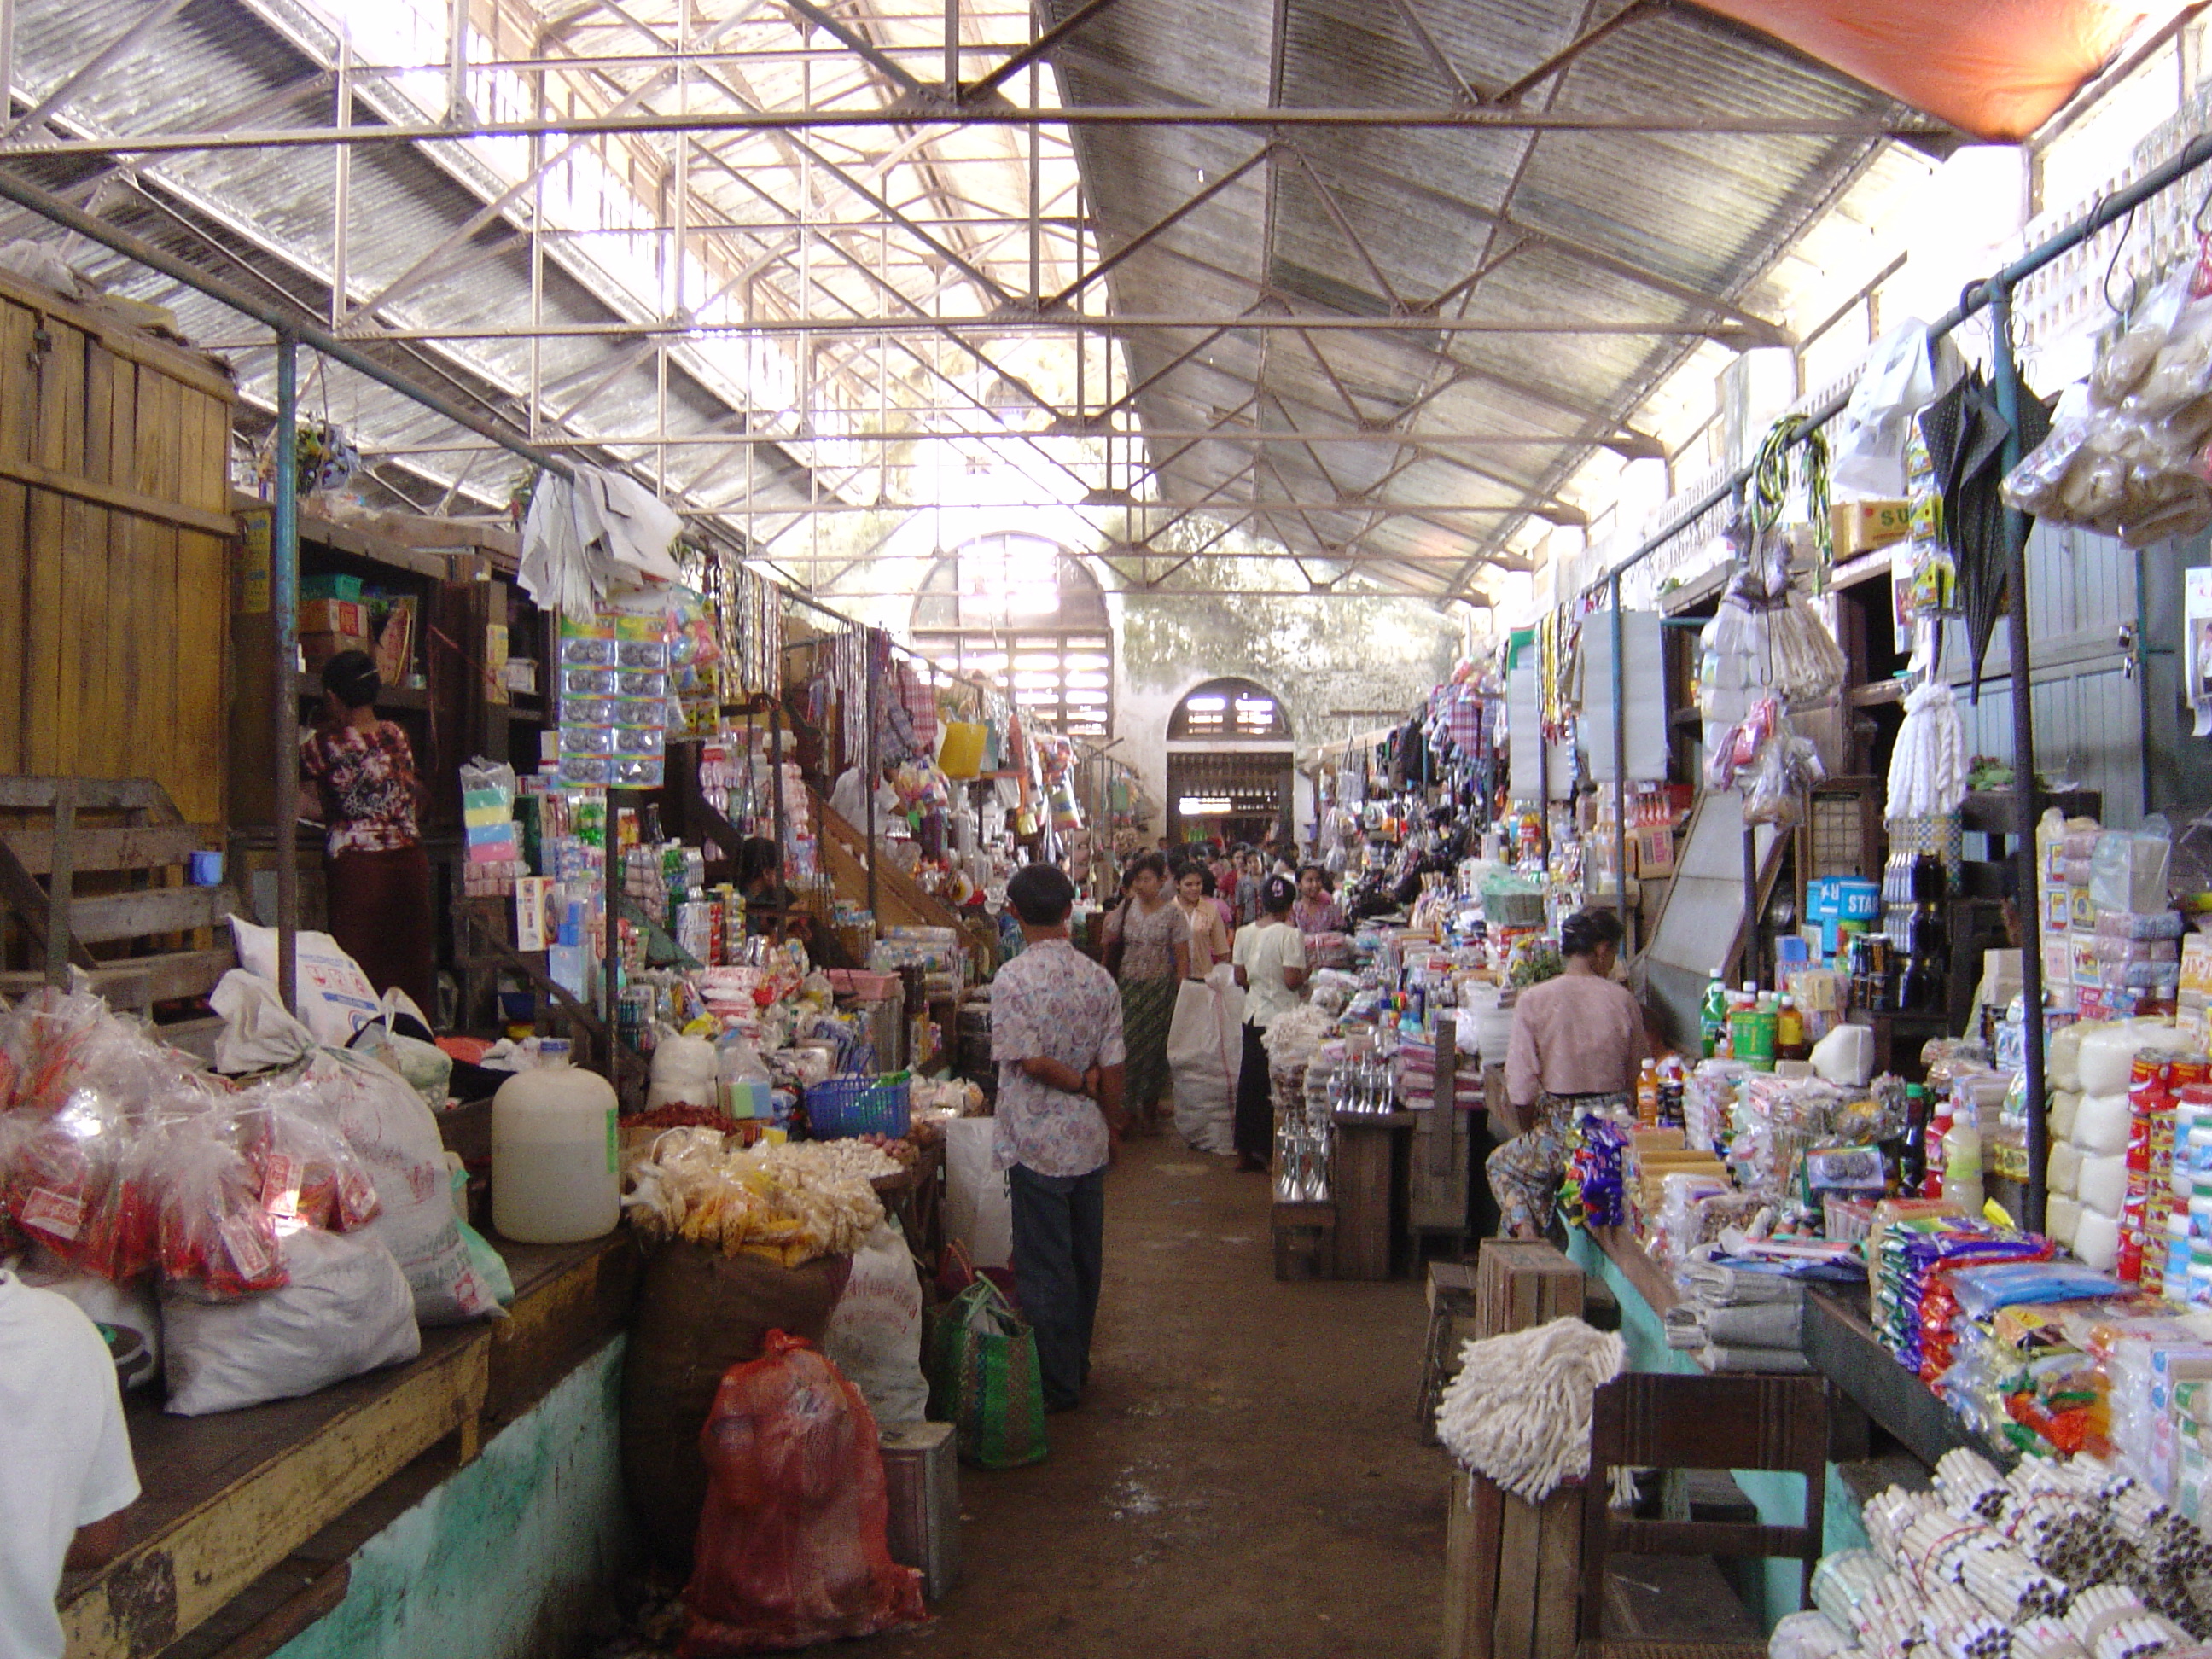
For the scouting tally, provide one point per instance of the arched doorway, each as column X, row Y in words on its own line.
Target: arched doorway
column 1229, row 764
column 1026, row 614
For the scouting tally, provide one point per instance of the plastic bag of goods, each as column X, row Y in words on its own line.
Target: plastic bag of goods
column 1206, row 1049
column 393, row 1135
column 875, row 1331
column 343, row 1309
column 2107, row 1053
column 791, row 1548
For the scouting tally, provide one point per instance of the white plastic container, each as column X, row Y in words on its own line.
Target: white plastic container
column 555, row 1169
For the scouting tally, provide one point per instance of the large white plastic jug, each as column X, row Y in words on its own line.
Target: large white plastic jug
column 556, row 1172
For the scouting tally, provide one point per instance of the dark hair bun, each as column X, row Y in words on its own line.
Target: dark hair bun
column 351, row 677
column 1584, row 931
column 1277, row 894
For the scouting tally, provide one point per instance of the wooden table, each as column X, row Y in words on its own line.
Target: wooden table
column 232, row 1501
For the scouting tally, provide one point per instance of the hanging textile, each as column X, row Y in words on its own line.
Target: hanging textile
column 749, row 621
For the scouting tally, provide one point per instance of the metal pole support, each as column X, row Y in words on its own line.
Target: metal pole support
column 2027, row 903
column 285, row 622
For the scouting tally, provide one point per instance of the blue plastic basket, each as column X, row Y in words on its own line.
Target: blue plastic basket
column 839, row 1107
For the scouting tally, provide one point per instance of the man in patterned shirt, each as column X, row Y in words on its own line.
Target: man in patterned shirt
column 1056, row 1036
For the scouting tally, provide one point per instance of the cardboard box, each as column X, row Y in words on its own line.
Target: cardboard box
column 334, row 617
column 1653, row 850
column 1859, row 527
column 395, row 642
column 318, row 648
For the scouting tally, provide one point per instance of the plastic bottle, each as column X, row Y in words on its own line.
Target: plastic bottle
column 555, row 1169
column 1912, row 1162
column 1789, row 1031
column 1962, row 1157
column 1712, row 1018
column 1647, row 1096
column 1939, row 1135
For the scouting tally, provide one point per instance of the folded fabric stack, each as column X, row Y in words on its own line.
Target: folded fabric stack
column 1417, row 1076
column 1738, row 1320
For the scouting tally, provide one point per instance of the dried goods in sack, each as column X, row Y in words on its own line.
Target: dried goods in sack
column 791, row 1548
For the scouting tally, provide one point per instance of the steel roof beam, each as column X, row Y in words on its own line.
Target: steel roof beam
column 1037, row 48
column 712, row 122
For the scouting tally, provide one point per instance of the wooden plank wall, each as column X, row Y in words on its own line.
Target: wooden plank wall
column 115, row 553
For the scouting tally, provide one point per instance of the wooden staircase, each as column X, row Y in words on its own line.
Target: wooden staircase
column 161, row 939
column 900, row 900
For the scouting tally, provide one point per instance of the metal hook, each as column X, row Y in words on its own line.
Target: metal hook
column 2112, row 266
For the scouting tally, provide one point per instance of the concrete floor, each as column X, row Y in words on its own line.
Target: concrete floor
column 1244, row 1477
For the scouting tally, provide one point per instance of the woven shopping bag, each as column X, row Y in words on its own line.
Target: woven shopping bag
column 984, row 1379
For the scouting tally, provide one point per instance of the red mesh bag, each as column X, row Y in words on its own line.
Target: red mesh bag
column 791, row 1547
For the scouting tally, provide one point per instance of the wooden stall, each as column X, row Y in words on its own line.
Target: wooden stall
column 115, row 550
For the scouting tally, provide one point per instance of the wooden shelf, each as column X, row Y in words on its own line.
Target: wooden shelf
column 310, row 687
column 1876, row 695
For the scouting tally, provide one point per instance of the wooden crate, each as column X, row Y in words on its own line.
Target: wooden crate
column 1305, row 1240
column 1512, row 1570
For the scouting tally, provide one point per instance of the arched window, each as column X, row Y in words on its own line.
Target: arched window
column 1024, row 613
column 1230, row 708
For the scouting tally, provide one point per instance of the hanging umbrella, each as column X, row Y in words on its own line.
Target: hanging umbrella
column 1966, row 436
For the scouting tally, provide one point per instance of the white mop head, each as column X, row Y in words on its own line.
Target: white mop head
column 1519, row 1411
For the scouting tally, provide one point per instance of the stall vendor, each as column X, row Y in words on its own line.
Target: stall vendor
column 1316, row 910
column 1578, row 1044
column 376, row 874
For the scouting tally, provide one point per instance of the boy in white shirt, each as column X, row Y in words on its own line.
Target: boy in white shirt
column 67, row 1455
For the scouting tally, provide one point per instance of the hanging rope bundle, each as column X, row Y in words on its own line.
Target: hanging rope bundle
column 1519, row 1411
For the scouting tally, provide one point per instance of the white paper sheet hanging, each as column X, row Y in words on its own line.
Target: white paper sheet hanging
column 1525, row 719
column 1644, row 680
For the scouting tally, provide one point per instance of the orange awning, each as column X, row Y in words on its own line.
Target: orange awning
column 1996, row 68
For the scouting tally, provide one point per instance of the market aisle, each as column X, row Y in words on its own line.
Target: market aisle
column 1243, row 1478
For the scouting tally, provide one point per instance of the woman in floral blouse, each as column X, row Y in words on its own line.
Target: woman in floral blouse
column 1316, row 910
column 376, row 874
column 1155, row 950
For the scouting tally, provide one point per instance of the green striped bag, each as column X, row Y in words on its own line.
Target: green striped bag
column 984, row 1379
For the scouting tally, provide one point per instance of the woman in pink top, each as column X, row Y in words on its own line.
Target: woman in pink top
column 1578, row 1044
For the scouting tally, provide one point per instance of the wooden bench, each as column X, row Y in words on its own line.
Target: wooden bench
column 248, row 1519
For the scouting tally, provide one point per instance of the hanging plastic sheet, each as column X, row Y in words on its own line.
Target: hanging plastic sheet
column 1996, row 68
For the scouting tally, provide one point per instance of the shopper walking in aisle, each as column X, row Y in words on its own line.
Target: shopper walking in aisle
column 68, row 1458
column 1056, row 1036
column 1250, row 873
column 1148, row 947
column 376, row 875
column 1201, row 913
column 1577, row 1043
column 1271, row 966
column 1316, row 910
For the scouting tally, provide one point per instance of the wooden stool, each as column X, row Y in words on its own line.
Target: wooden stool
column 1451, row 1296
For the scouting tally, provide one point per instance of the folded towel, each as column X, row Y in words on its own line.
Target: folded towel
column 1738, row 1358
column 1757, row 1325
column 1725, row 1287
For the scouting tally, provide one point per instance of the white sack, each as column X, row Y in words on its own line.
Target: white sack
column 1206, row 1053
column 978, row 1207
column 874, row 1335
column 347, row 1310
column 336, row 999
column 390, row 1129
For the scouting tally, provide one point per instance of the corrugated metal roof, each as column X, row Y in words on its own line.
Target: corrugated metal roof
column 1477, row 224
column 1363, row 222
